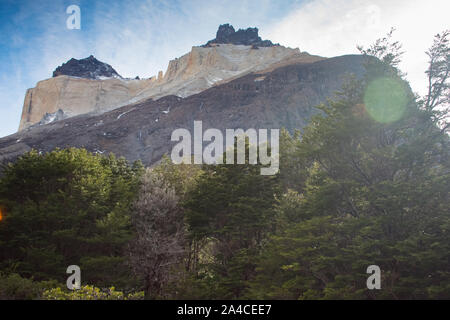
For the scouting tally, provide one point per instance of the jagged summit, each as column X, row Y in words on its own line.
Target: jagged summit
column 249, row 37
column 89, row 68
column 91, row 86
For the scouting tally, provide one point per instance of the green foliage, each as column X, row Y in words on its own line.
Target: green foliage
column 229, row 214
column 367, row 182
column 181, row 177
column 67, row 207
column 374, row 192
column 90, row 293
column 14, row 287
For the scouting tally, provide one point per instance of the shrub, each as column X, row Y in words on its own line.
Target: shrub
column 90, row 293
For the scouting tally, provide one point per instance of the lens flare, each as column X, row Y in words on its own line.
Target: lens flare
column 385, row 99
column 1, row 215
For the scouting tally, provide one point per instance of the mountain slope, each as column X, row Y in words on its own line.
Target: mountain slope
column 283, row 97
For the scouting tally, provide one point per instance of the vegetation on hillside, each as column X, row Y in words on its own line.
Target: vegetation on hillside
column 67, row 207
column 367, row 182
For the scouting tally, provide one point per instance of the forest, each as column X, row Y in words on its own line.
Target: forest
column 367, row 182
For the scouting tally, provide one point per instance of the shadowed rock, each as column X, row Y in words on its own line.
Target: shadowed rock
column 248, row 37
column 89, row 68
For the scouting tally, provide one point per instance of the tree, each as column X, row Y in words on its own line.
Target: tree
column 67, row 207
column 375, row 192
column 229, row 215
column 181, row 177
column 437, row 100
column 158, row 248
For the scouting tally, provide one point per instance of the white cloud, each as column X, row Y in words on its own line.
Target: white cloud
column 334, row 27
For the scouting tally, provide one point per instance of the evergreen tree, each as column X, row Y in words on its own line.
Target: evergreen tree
column 67, row 207
column 229, row 215
column 376, row 193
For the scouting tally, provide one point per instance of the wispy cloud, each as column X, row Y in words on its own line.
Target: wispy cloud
column 335, row 27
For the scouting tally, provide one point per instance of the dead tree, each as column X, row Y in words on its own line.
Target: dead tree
column 159, row 244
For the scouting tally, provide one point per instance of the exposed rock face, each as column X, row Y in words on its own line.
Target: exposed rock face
column 89, row 68
column 194, row 72
column 205, row 67
column 74, row 96
column 248, row 37
column 282, row 97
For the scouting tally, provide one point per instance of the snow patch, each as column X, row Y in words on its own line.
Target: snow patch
column 51, row 117
column 124, row 113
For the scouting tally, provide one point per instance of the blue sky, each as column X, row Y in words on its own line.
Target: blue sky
column 139, row 37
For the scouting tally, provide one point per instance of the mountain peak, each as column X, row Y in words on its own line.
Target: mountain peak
column 89, row 68
column 226, row 34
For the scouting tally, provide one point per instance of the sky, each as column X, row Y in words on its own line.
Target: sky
column 139, row 37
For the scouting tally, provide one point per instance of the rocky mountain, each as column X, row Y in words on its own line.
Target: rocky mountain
column 90, row 86
column 248, row 37
column 89, row 68
column 284, row 95
column 74, row 96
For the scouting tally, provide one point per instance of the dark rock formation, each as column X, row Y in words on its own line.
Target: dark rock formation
column 89, row 68
column 248, row 37
column 285, row 97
